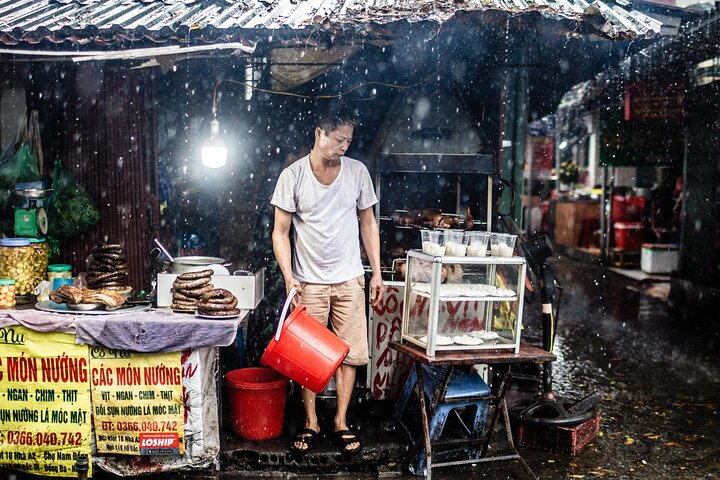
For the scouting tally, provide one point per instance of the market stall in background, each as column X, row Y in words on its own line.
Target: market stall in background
column 623, row 171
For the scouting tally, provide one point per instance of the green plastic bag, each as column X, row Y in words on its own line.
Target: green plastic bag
column 20, row 167
column 70, row 209
column 21, row 161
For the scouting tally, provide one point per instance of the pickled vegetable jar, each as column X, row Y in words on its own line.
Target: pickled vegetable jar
column 16, row 257
column 7, row 293
column 59, row 270
column 40, row 259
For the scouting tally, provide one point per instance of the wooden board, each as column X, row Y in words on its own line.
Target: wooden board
column 527, row 353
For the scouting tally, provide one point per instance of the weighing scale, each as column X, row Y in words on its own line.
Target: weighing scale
column 30, row 216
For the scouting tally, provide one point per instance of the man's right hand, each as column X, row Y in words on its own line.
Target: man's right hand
column 289, row 285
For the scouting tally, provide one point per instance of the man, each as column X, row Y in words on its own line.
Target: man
column 321, row 196
column 664, row 211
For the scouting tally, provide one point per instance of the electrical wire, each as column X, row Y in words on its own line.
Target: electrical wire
column 316, row 97
column 559, row 290
column 552, row 331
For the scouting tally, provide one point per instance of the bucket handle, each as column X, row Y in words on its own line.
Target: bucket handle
column 291, row 389
column 283, row 314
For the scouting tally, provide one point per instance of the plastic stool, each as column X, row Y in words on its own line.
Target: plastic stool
column 464, row 390
column 588, row 226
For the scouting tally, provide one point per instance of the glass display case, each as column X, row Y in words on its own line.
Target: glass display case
column 463, row 303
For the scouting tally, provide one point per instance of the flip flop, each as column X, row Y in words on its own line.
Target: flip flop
column 343, row 438
column 306, row 437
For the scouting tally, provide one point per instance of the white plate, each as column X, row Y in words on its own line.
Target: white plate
column 467, row 340
column 441, row 340
column 484, row 335
column 50, row 306
column 217, row 317
column 84, row 306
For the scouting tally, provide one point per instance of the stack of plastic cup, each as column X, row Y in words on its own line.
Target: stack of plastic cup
column 477, row 244
column 433, row 242
column 502, row 244
column 456, row 243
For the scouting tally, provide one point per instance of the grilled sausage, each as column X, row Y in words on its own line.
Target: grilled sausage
column 196, row 292
column 221, row 313
column 196, row 275
column 217, row 293
column 177, row 296
column 191, row 284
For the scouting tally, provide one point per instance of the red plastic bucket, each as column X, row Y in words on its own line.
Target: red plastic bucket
column 303, row 349
column 628, row 235
column 618, row 208
column 257, row 402
column 627, row 208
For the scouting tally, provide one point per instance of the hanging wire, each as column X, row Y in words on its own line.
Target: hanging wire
column 316, row 97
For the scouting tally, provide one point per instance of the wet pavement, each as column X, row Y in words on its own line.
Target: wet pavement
column 656, row 366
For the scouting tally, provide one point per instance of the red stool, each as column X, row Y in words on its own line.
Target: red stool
column 588, row 226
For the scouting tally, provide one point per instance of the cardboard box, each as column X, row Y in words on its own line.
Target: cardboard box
column 248, row 289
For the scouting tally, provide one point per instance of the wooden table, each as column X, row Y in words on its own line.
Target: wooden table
column 454, row 359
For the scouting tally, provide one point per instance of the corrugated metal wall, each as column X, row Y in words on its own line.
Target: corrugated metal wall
column 103, row 126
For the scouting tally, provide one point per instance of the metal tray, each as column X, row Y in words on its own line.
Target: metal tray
column 50, row 306
column 33, row 193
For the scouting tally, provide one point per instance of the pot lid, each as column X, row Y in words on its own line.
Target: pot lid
column 198, row 260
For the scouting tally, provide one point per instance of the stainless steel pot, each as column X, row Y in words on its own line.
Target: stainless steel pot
column 195, row 263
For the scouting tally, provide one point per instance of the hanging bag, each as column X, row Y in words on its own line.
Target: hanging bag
column 70, row 209
column 20, row 162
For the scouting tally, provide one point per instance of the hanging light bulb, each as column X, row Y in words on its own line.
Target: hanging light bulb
column 214, row 152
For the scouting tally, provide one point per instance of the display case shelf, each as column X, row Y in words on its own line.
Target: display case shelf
column 497, row 343
column 464, row 298
column 486, row 260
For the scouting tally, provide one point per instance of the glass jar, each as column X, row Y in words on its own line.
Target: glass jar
column 40, row 259
column 7, row 293
column 16, row 256
column 58, row 270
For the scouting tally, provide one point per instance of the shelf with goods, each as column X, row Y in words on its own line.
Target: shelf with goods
column 438, row 288
column 454, row 165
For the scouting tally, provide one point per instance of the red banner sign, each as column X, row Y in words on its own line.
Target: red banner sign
column 654, row 100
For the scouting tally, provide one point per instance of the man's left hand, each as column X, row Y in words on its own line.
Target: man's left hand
column 377, row 289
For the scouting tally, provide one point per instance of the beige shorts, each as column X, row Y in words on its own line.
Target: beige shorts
column 344, row 305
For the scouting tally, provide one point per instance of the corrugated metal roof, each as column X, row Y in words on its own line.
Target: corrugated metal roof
column 107, row 21
column 695, row 41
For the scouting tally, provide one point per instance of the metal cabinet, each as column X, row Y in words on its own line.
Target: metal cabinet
column 481, row 166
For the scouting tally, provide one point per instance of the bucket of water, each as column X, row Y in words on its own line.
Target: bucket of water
column 303, row 349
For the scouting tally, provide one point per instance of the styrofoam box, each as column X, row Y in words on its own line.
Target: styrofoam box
column 659, row 258
column 249, row 289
